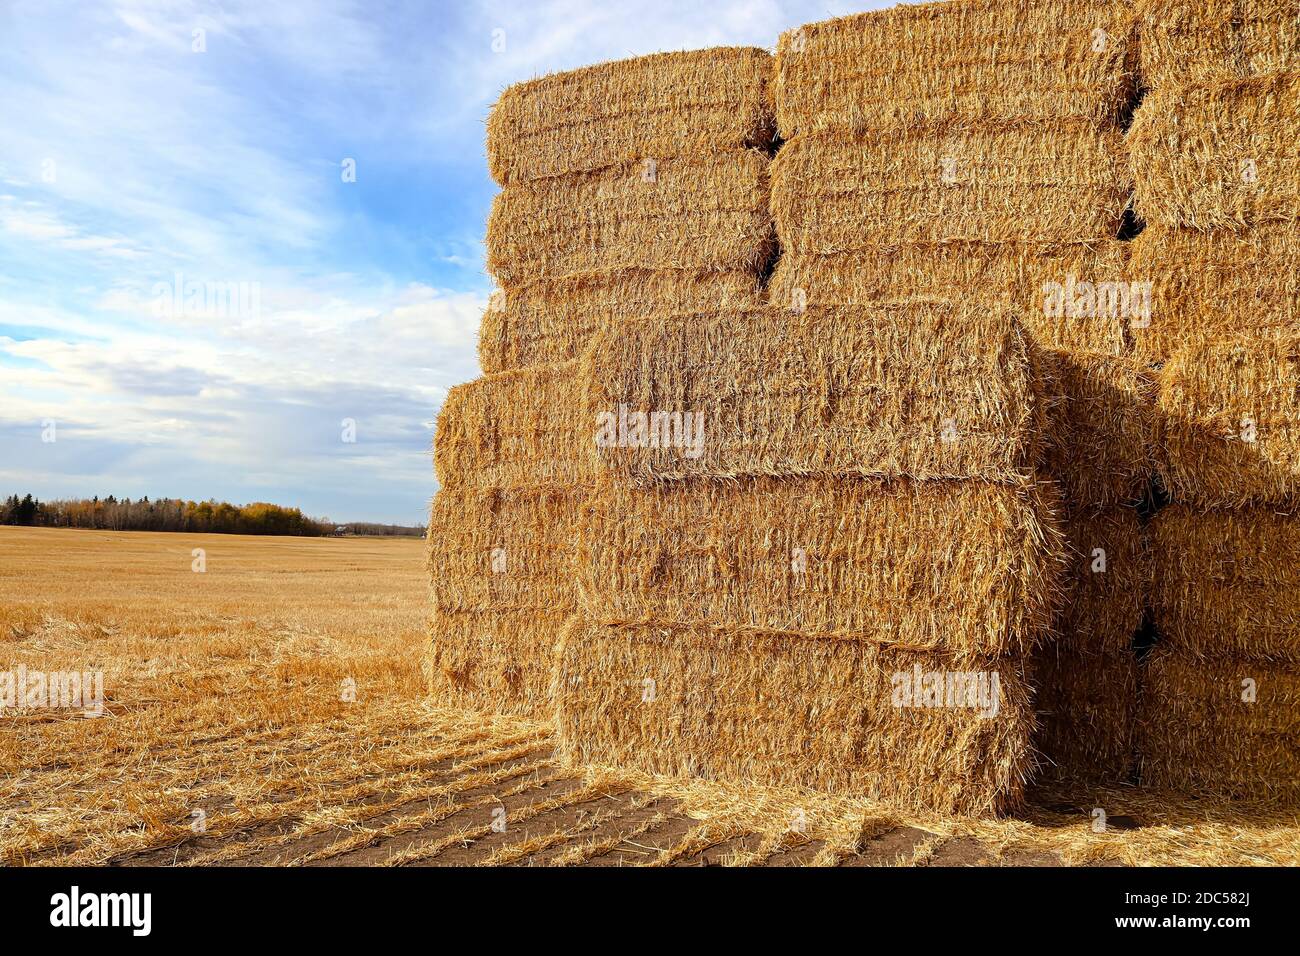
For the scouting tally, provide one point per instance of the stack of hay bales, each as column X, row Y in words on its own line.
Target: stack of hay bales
column 629, row 188
column 860, row 521
column 972, row 150
column 1217, row 167
column 861, row 512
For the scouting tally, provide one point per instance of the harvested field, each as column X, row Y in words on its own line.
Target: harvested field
column 664, row 105
column 970, row 568
column 1227, row 417
column 825, row 392
column 549, row 322
column 836, row 195
column 223, row 694
column 1227, row 583
column 991, row 62
column 1221, row 156
column 1203, row 41
column 702, row 213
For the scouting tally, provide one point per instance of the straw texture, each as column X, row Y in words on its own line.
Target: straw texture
column 1201, row 41
column 492, row 548
column 1227, row 414
column 1087, row 678
column 785, row 711
column 987, row 61
column 1101, row 433
column 834, row 195
column 1087, row 707
column 667, row 104
column 1228, row 583
column 1024, row 275
column 1198, row 735
column 1108, row 584
column 518, row 429
column 547, row 322
column 831, row 391
column 1207, row 285
column 970, row 568
column 1222, row 156
column 496, row 661
column 706, row 212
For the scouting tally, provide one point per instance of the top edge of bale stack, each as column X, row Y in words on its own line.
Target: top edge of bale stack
column 662, row 105
column 999, row 62
column 1201, row 41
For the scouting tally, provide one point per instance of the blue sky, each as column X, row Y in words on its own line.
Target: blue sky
column 136, row 170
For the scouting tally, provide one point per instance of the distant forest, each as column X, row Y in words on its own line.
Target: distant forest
column 173, row 514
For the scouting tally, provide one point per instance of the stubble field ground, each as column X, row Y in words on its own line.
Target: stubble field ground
column 272, row 710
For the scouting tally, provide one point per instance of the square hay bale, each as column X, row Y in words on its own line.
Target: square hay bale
column 1221, row 728
column 911, row 389
column 1108, row 583
column 1087, row 705
column 520, row 429
column 1227, row 412
column 967, row 567
column 1207, row 285
column 1203, row 41
column 552, row 321
column 667, row 104
column 991, row 62
column 703, row 213
column 1101, row 433
column 1220, row 156
column 797, row 712
column 504, row 548
column 839, row 195
column 1227, row 583
column 496, row 661
column 1070, row 296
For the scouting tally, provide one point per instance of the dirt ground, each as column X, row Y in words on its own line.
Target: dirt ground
column 271, row 709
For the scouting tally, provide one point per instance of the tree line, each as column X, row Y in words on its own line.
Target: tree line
column 175, row 514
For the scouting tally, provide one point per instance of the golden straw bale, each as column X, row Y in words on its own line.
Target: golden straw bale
column 497, row 661
column 518, row 429
column 667, row 104
column 1070, row 296
column 1202, row 41
column 1087, row 706
column 910, row 389
column 499, row 548
column 1108, row 583
column 780, row 710
column 1215, row 284
column 1222, row 729
column 553, row 321
column 707, row 212
column 1227, row 583
column 1222, row 156
column 837, row 195
column 985, row 61
column 967, row 567
column 1101, row 434
column 1227, row 415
